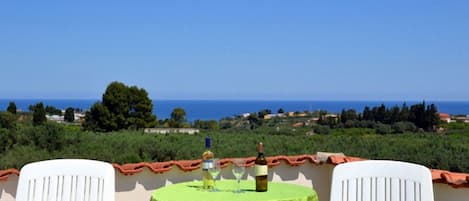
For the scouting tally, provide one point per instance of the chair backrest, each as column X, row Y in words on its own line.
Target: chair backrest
column 381, row 180
column 66, row 180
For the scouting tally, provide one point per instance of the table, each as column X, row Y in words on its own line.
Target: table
column 193, row 191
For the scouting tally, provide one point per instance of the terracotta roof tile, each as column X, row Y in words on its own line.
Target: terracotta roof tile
column 130, row 169
column 341, row 159
column 188, row 165
column 159, row 167
column 5, row 173
column 456, row 180
column 444, row 115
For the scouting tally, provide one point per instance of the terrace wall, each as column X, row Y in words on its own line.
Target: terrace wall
column 139, row 186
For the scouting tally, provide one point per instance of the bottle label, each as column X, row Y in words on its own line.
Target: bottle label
column 260, row 170
column 206, row 164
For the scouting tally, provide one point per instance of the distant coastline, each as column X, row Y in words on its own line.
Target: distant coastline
column 217, row 109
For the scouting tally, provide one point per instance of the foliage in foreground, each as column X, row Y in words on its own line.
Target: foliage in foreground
column 26, row 143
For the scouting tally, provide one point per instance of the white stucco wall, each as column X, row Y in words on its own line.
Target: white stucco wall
column 138, row 187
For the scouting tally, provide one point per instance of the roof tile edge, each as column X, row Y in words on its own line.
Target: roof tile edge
column 5, row 173
column 456, row 180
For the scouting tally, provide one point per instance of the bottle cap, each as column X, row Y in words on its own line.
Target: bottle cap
column 260, row 147
column 207, row 142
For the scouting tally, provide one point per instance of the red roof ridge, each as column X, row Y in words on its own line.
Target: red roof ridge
column 454, row 179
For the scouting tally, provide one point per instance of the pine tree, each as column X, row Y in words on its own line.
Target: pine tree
column 69, row 115
column 122, row 107
column 39, row 114
column 11, row 108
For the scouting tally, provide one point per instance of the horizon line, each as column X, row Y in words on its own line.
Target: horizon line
column 253, row 99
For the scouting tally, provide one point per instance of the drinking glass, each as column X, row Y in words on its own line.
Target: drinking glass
column 238, row 171
column 214, row 171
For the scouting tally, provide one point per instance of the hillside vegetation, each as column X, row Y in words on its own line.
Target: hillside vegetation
column 112, row 131
column 26, row 143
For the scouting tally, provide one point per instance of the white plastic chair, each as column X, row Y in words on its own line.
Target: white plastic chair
column 66, row 180
column 381, row 180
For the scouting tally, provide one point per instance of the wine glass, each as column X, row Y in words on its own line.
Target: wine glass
column 238, row 171
column 214, row 170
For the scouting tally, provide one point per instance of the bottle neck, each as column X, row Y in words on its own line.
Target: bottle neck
column 260, row 154
column 260, row 149
column 208, row 143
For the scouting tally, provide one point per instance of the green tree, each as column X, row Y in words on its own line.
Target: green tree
column 380, row 114
column 280, row 111
column 122, row 107
column 178, row 117
column 11, row 108
column 69, row 115
column 367, row 114
column 403, row 126
column 51, row 110
column 39, row 114
column 211, row 124
column 394, row 114
column 49, row 136
column 7, row 139
column 254, row 121
column 116, row 99
column 98, row 118
column 404, row 114
column 141, row 109
column 264, row 112
column 431, row 118
column 417, row 115
column 322, row 117
column 348, row 115
column 7, row 120
column 383, row 128
column 321, row 129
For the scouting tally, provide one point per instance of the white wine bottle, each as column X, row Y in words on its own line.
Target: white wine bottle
column 261, row 169
column 207, row 162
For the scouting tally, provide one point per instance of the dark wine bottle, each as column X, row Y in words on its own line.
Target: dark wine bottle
column 260, row 169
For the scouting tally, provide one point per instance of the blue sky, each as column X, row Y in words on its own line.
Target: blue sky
column 274, row 50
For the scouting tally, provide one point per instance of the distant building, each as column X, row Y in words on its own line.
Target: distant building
column 301, row 115
column 245, row 115
column 296, row 114
column 463, row 119
column 56, row 118
column 79, row 117
column 299, row 124
column 314, row 119
column 444, row 117
column 270, row 116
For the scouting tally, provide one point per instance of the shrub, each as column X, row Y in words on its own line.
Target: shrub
column 383, row 128
column 320, row 129
column 402, row 127
column 354, row 124
column 6, row 139
column 7, row 120
column 366, row 124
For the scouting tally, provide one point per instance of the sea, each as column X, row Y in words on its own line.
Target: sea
column 218, row 109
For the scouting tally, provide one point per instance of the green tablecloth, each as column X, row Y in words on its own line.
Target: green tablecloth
column 192, row 191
